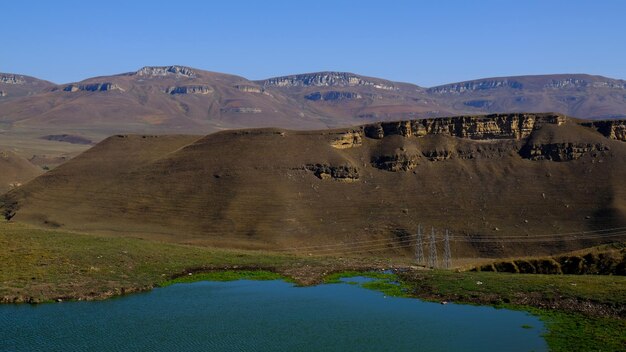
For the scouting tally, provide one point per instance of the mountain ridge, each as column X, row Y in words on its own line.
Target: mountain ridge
column 181, row 99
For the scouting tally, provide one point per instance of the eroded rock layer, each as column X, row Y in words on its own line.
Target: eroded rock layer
column 614, row 129
column 498, row 126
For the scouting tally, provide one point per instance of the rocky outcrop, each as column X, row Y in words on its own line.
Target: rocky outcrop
column 400, row 161
column 92, row 87
column 609, row 84
column 613, row 129
column 345, row 173
column 607, row 263
column 189, row 90
column 332, row 95
column 476, row 86
column 497, row 126
column 348, row 140
column 560, row 151
column 161, row 71
column 582, row 83
column 12, row 79
column 326, row 79
column 249, row 88
column 242, row 110
column 567, row 83
column 438, row 155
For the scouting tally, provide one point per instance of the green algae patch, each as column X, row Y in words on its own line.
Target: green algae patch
column 387, row 283
column 227, row 275
column 578, row 332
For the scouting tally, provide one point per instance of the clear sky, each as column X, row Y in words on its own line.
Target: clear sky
column 423, row 42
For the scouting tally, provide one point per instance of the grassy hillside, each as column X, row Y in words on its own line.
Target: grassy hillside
column 278, row 189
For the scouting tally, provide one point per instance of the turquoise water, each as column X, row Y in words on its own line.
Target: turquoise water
column 265, row 316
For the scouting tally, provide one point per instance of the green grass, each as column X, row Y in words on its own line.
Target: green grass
column 335, row 278
column 47, row 264
column 44, row 265
column 567, row 332
column 227, row 275
column 508, row 287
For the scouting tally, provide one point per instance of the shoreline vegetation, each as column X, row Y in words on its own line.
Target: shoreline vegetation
column 581, row 312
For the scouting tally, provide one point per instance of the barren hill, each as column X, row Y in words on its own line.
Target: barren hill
column 479, row 176
column 15, row 170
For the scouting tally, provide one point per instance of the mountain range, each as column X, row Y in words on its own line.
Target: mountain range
column 179, row 99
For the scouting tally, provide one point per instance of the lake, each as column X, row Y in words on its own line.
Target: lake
column 275, row 315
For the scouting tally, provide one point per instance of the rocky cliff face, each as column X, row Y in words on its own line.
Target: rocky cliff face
column 476, row 86
column 505, row 134
column 92, row 87
column 248, row 88
column 614, row 129
column 326, row 79
column 561, row 151
column 156, row 71
column 11, row 79
column 498, row 126
column 399, row 161
column 189, row 90
column 348, row 140
column 346, row 173
column 583, row 83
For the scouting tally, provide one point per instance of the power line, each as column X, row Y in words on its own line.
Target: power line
column 447, row 255
column 419, row 247
column 432, row 256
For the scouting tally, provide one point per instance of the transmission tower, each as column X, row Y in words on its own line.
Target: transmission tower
column 447, row 255
column 432, row 258
column 419, row 247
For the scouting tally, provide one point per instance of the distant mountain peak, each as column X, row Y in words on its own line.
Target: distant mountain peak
column 327, row 79
column 160, row 71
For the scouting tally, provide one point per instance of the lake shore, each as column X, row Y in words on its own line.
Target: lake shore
column 47, row 266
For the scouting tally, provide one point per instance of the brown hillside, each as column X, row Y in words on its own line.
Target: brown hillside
column 481, row 177
column 15, row 170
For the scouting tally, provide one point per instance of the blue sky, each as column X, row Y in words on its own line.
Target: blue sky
column 423, row 42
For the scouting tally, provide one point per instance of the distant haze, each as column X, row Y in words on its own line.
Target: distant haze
column 426, row 43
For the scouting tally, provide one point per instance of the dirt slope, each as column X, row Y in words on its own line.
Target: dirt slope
column 15, row 170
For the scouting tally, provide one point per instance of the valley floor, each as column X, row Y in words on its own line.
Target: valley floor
column 582, row 312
